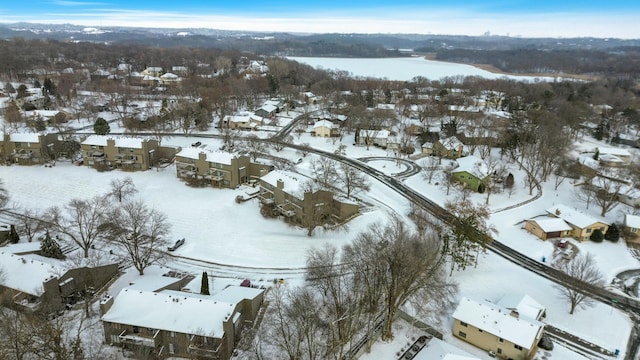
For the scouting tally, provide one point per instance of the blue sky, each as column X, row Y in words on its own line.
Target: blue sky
column 615, row 18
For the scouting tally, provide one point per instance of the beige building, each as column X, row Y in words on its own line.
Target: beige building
column 105, row 152
column 33, row 282
column 207, row 165
column 325, row 128
column 450, row 148
column 286, row 194
column 177, row 324
column 28, row 148
column 582, row 225
column 548, row 227
column 506, row 332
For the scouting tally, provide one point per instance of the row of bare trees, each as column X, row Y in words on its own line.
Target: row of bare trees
column 354, row 293
column 115, row 217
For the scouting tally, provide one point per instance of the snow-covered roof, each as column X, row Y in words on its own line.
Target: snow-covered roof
column 573, row 216
column 268, row 107
column 152, row 283
column 451, row 142
column 120, row 141
column 525, row 305
column 324, row 123
column 437, row 349
column 376, row 134
column 292, row 185
column 26, row 274
column 25, row 137
column 632, row 221
column 213, row 155
column 234, row 294
column 551, row 224
column 169, row 76
column 614, row 151
column 473, row 165
column 498, row 321
column 167, row 311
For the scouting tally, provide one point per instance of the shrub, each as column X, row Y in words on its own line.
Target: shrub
column 597, row 236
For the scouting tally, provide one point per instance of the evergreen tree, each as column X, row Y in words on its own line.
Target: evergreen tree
column 204, row 288
column 13, row 235
column 101, row 127
column 596, row 156
column 613, row 234
column 50, row 248
column 597, row 236
column 509, row 181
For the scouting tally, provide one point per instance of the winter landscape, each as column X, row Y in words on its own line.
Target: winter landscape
column 202, row 203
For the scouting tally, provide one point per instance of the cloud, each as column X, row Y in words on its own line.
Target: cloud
column 398, row 20
column 77, row 3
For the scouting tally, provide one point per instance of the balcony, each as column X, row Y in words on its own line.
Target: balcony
column 137, row 339
column 284, row 211
column 205, row 350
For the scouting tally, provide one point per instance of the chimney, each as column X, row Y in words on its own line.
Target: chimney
column 280, row 184
column 557, row 212
column 111, row 142
column 515, row 314
column 106, row 304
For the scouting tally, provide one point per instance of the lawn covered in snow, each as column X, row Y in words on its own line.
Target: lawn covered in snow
column 219, row 230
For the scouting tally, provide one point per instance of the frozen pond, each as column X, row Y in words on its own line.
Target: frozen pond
column 403, row 69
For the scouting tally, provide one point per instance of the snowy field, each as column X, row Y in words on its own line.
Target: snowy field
column 404, row 69
column 219, row 230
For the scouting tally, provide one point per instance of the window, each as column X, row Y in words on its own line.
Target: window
column 499, row 351
column 602, row 228
column 136, row 329
column 173, row 334
column 588, row 231
column 501, row 339
column 171, row 348
column 462, row 323
column 462, row 335
column 517, row 347
column 480, row 330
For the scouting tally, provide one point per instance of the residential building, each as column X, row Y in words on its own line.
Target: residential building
column 244, row 121
column 207, row 165
column 548, row 227
column 267, row 110
column 524, row 304
column 508, row 333
column 378, row 138
column 287, row 196
column 28, row 148
column 437, row 349
column 33, row 282
column 325, row 128
column 105, row 152
column 582, row 225
column 472, row 172
column 177, row 324
column 450, row 148
column 632, row 225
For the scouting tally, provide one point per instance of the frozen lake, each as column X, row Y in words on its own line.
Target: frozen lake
column 403, row 69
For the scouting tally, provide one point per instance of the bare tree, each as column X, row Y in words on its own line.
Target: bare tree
column 140, row 231
column 607, row 192
column 253, row 146
column 30, row 224
column 324, row 172
column 80, row 220
column 353, row 180
column 404, row 263
column 429, row 168
column 4, row 196
column 121, row 189
column 578, row 272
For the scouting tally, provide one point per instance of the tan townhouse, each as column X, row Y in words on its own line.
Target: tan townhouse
column 582, row 225
column 28, row 148
column 325, row 128
column 178, row 324
column 105, row 152
column 504, row 332
column 450, row 148
column 207, row 165
column 287, row 196
column 32, row 282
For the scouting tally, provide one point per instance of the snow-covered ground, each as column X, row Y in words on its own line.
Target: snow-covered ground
column 233, row 237
column 404, row 69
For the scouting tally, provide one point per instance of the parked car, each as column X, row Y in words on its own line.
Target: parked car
column 197, row 143
column 562, row 244
column 176, row 245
